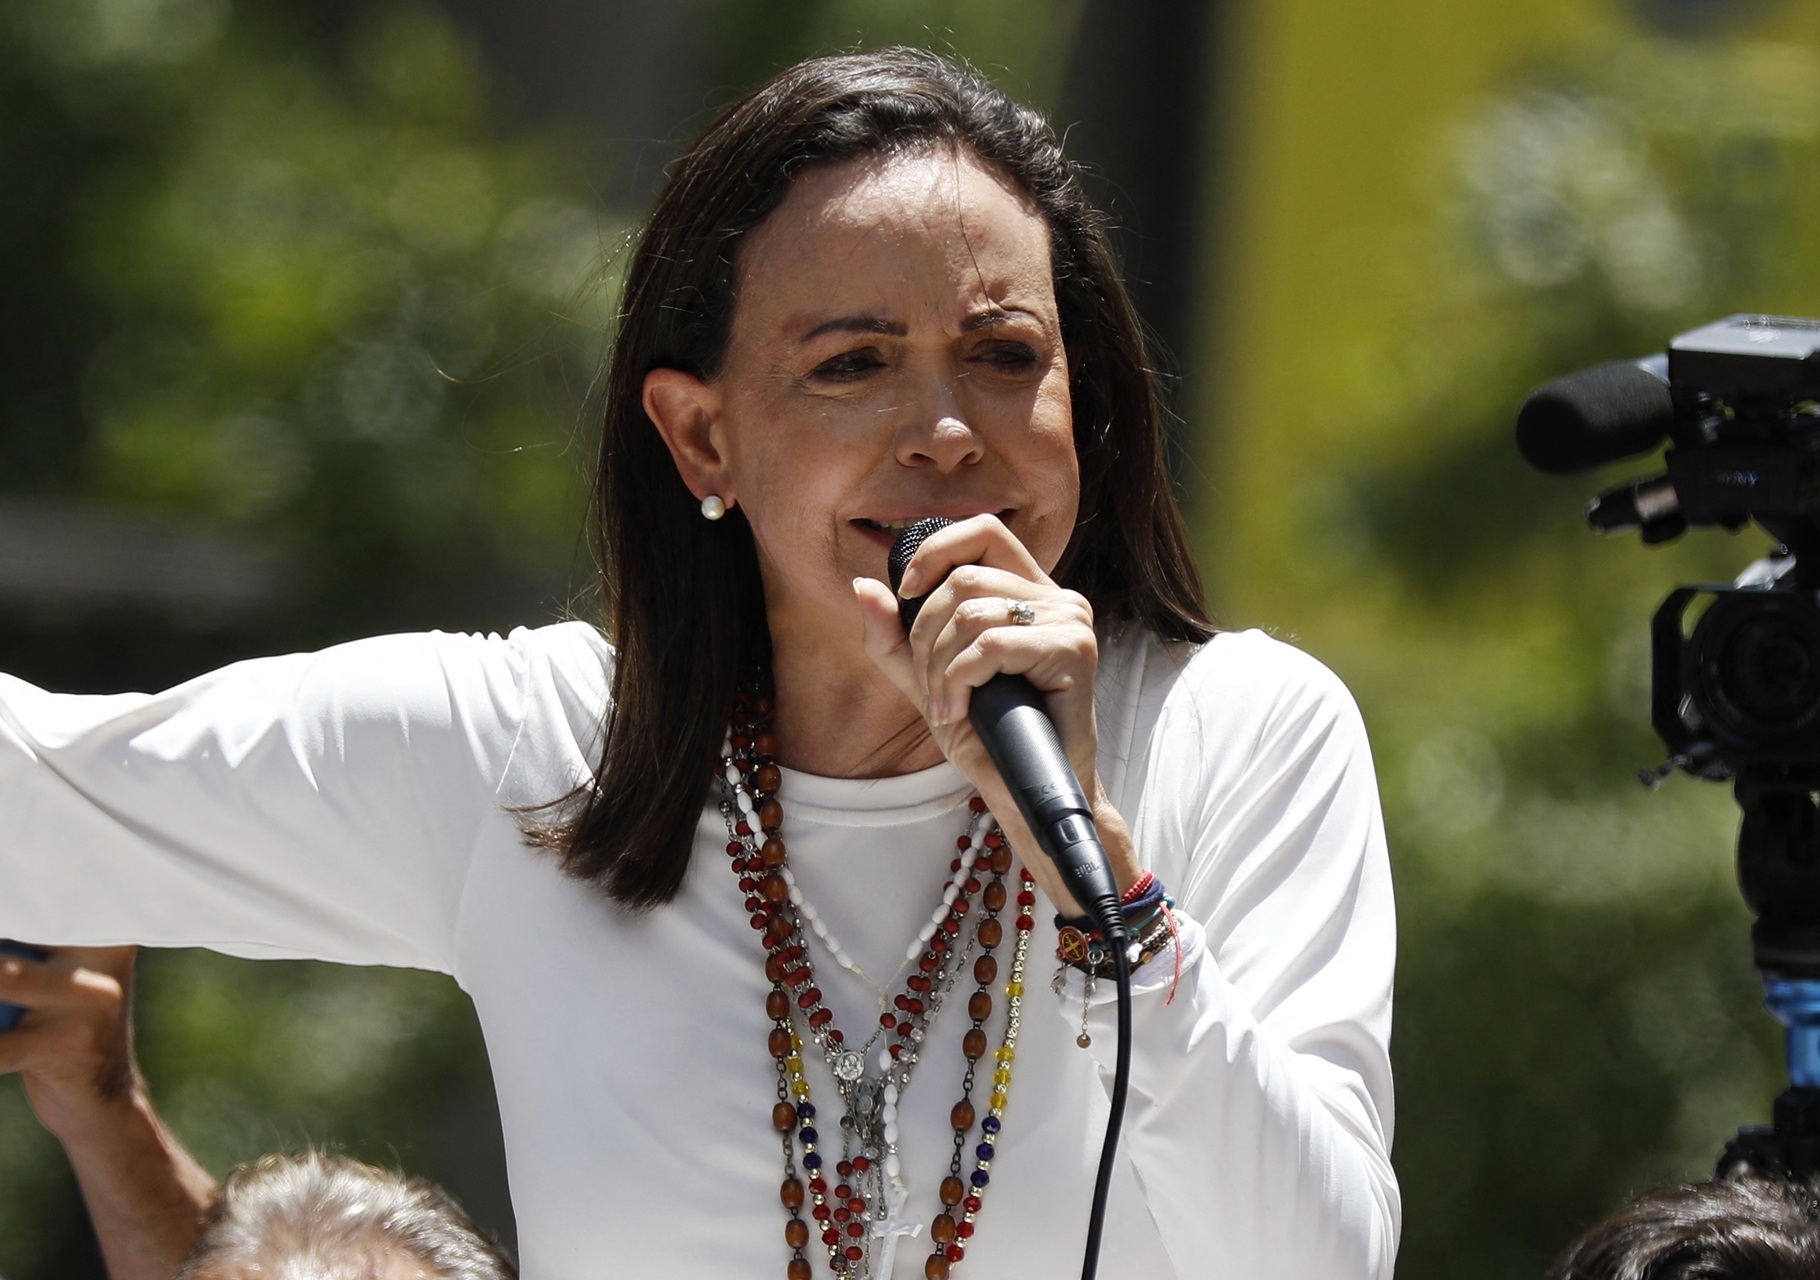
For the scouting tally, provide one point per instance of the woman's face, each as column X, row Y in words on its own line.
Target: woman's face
column 895, row 353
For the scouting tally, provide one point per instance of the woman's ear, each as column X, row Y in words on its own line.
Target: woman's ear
column 684, row 410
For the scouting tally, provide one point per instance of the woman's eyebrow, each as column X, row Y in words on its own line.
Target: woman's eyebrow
column 994, row 315
column 897, row 328
column 858, row 324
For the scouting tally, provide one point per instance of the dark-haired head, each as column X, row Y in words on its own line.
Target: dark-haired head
column 685, row 598
column 1742, row 1227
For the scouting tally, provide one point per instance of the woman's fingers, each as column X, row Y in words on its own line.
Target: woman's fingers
column 987, row 621
column 885, row 641
column 982, row 541
column 987, row 607
column 1053, row 656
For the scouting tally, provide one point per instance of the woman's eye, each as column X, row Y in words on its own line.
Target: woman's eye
column 849, row 365
column 1009, row 355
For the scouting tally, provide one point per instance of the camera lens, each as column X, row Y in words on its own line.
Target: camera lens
column 1769, row 671
column 1760, row 664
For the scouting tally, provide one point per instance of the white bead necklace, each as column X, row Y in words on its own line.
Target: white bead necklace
column 977, row 826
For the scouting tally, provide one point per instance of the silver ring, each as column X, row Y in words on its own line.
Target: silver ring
column 1018, row 613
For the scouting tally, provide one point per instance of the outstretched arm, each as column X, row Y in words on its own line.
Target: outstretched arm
column 74, row 1050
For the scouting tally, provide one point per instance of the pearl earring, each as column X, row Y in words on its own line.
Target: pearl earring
column 712, row 507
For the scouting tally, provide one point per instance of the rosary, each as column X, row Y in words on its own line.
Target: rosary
column 856, row 1207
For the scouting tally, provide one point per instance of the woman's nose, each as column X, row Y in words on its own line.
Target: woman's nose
column 939, row 436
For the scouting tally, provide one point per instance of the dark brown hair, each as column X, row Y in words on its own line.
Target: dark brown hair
column 1742, row 1227
column 685, row 605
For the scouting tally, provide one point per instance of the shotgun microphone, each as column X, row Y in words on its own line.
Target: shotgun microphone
column 1599, row 415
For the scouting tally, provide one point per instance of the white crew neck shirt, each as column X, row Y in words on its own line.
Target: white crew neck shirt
column 357, row 805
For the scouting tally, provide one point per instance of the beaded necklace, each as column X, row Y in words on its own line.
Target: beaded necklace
column 860, row 1214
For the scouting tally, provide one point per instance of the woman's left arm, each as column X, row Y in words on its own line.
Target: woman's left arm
column 1261, row 1110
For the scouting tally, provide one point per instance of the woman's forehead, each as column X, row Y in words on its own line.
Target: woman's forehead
column 919, row 183
column 925, row 223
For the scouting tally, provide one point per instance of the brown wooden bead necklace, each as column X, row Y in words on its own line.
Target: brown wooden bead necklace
column 859, row 1212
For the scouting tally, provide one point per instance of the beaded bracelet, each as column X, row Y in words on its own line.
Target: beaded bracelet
column 1153, row 925
column 1087, row 951
column 1080, row 945
column 1137, row 904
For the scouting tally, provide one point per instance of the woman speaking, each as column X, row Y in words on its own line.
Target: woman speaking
column 773, row 978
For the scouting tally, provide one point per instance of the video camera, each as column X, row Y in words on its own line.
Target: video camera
column 1738, row 697
column 1738, row 401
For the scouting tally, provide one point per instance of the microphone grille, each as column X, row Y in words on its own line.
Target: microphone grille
column 913, row 536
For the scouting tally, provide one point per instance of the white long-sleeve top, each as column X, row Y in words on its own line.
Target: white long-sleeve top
column 358, row 805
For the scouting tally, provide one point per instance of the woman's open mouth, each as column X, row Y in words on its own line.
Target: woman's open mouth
column 891, row 528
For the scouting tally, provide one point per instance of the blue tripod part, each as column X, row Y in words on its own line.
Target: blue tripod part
column 1796, row 1004
column 11, row 1013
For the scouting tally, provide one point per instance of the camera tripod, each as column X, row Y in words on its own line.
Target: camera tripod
column 1779, row 872
column 1740, row 700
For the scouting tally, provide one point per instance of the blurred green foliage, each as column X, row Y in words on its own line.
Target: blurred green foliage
column 1022, row 44
column 306, row 291
column 1578, row 1019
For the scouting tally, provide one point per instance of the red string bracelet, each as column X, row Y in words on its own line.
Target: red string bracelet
column 1137, row 889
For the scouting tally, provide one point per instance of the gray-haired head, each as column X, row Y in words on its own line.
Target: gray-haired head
column 320, row 1217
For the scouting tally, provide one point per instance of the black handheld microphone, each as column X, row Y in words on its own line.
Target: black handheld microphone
column 1012, row 720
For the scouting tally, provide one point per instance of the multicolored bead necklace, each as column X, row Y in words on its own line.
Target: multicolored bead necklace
column 860, row 1216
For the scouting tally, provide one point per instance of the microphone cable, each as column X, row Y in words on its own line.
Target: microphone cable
column 1115, row 1114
